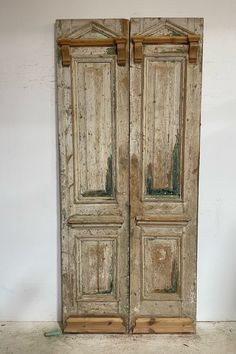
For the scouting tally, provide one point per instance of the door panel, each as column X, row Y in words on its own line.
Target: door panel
column 163, row 87
column 93, row 97
column 94, row 101
column 165, row 84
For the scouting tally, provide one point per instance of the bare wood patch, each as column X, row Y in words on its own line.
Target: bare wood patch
column 94, row 325
column 164, row 325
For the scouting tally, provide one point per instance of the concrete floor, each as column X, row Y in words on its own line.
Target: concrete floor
column 27, row 337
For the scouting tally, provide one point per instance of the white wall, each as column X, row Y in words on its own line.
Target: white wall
column 29, row 250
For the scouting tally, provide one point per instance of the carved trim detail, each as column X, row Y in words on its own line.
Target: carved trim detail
column 74, row 40
column 176, row 35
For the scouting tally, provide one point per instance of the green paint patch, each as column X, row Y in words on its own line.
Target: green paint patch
column 174, row 189
column 59, row 53
column 55, row 333
column 176, row 168
column 96, row 193
column 110, row 287
column 174, row 281
column 111, row 51
column 108, row 291
column 109, row 184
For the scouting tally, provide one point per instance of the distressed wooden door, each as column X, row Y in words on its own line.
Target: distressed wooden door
column 129, row 173
column 165, row 91
column 93, row 97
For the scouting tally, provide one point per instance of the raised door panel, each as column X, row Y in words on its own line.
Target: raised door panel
column 94, row 127
column 165, row 89
column 93, row 101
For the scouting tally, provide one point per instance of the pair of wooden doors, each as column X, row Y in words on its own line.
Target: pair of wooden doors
column 129, row 122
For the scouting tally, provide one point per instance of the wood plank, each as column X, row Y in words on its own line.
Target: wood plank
column 164, row 325
column 166, row 39
column 94, row 325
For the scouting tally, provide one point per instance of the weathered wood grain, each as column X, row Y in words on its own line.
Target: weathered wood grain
column 94, row 325
column 164, row 325
column 161, row 266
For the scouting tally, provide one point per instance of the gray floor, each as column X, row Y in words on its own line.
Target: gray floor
column 27, row 337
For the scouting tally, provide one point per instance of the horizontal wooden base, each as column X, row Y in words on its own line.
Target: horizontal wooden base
column 94, row 325
column 164, row 325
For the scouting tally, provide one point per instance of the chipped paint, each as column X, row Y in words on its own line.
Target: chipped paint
column 111, row 51
column 175, row 173
column 174, row 281
column 108, row 192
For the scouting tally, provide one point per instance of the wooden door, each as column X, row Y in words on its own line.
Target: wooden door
column 129, row 154
column 93, row 100
column 165, row 92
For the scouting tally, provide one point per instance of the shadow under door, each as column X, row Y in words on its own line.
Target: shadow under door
column 129, row 122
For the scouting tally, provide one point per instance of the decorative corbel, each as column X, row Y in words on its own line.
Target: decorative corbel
column 138, row 49
column 193, row 48
column 65, row 52
column 120, row 42
column 121, row 51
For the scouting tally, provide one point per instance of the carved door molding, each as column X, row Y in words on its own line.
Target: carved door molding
column 129, row 125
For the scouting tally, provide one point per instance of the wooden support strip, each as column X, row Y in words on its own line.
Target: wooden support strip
column 94, row 325
column 166, row 40
column 164, row 325
column 78, row 42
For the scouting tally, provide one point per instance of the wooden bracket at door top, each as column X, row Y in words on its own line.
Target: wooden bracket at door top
column 120, row 42
column 191, row 40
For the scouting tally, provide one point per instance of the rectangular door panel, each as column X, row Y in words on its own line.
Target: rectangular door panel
column 94, row 126
column 163, row 87
column 165, row 92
